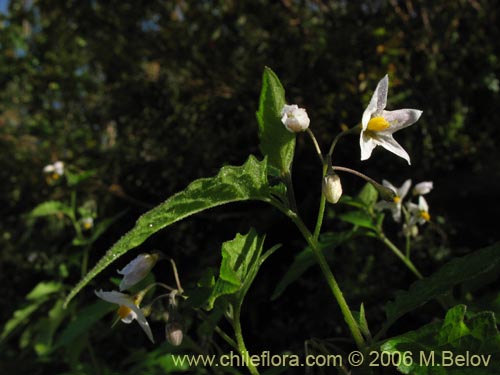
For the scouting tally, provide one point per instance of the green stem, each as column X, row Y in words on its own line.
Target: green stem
column 327, row 273
column 340, row 135
column 289, row 191
column 400, row 255
column 408, row 245
column 316, row 145
column 322, row 206
column 240, row 342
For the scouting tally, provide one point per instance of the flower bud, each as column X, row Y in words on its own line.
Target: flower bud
column 294, row 118
column 173, row 333
column 332, row 188
column 137, row 270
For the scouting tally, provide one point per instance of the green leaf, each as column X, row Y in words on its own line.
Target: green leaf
column 47, row 327
column 50, row 208
column 360, row 218
column 43, row 289
column 240, row 263
column 84, row 320
column 433, row 348
column 455, row 272
column 305, row 259
column 232, row 184
column 275, row 141
column 38, row 295
column 368, row 195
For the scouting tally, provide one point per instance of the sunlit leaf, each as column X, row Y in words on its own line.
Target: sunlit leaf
column 275, row 141
column 231, row 184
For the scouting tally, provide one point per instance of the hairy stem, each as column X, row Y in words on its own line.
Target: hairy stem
column 239, row 340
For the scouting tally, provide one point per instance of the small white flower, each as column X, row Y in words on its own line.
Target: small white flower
column 54, row 171
column 294, row 118
column 395, row 205
column 379, row 124
column 419, row 213
column 332, row 187
column 129, row 308
column 87, row 222
column 423, row 188
column 137, row 270
column 410, row 230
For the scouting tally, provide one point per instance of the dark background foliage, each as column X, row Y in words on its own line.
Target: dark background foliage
column 153, row 94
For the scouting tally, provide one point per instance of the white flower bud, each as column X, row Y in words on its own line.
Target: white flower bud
column 294, row 118
column 332, row 188
column 137, row 270
column 173, row 332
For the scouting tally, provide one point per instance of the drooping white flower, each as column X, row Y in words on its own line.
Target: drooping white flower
column 419, row 213
column 423, row 188
column 378, row 125
column 54, row 171
column 395, row 205
column 137, row 270
column 332, row 187
column 294, row 118
column 129, row 309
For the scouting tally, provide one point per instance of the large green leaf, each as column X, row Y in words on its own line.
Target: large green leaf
column 240, row 263
column 275, row 141
column 442, row 348
column 455, row 272
column 231, row 184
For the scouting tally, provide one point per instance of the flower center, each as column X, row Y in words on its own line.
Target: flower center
column 425, row 215
column 123, row 311
column 397, row 199
column 377, row 124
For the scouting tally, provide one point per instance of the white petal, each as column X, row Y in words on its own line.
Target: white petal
column 49, row 168
column 390, row 144
column 384, row 205
column 396, row 212
column 387, row 184
column 400, row 119
column 422, row 204
column 137, row 270
column 403, row 190
column 367, row 144
column 377, row 103
column 114, row 297
column 141, row 319
column 423, row 187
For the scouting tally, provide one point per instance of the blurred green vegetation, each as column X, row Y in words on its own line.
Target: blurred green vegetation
column 139, row 98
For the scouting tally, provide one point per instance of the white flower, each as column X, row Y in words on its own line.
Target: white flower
column 54, row 171
column 137, row 270
column 419, row 213
column 423, row 188
column 332, row 188
column 379, row 124
column 87, row 222
column 129, row 308
column 395, row 205
column 294, row 118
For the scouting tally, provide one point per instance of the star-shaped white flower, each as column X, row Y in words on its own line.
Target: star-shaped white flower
column 137, row 270
column 129, row 308
column 419, row 212
column 395, row 205
column 294, row 118
column 378, row 125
